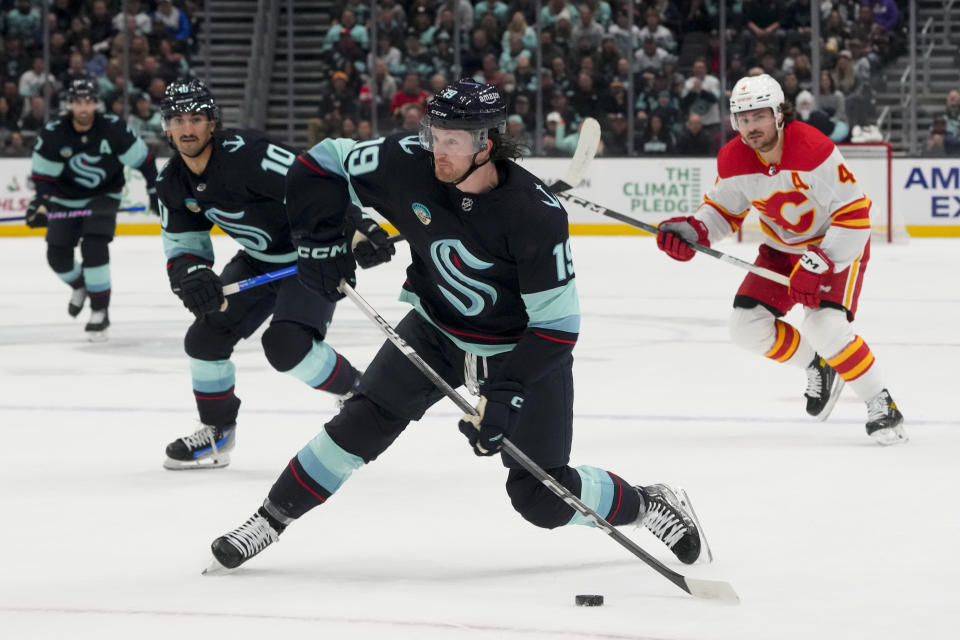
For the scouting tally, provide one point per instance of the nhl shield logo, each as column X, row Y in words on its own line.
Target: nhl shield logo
column 192, row 205
column 466, row 204
column 422, row 212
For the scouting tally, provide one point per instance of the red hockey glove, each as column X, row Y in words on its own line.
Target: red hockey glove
column 807, row 276
column 677, row 234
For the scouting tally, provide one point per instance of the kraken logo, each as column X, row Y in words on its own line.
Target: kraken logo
column 87, row 175
column 248, row 236
column 447, row 255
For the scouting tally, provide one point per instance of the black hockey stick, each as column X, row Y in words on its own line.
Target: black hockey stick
column 711, row 589
column 78, row 213
column 649, row 228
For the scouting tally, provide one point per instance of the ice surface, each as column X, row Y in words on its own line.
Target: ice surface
column 823, row 533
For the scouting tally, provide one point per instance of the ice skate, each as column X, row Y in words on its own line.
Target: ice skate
column 884, row 420
column 670, row 517
column 97, row 326
column 236, row 547
column 823, row 388
column 77, row 298
column 206, row 448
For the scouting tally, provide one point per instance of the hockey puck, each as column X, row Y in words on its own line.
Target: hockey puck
column 589, row 601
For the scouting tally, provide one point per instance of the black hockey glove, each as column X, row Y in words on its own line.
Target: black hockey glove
column 321, row 265
column 37, row 212
column 499, row 414
column 200, row 290
column 372, row 245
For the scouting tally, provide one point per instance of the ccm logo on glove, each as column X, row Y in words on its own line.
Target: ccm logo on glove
column 322, row 252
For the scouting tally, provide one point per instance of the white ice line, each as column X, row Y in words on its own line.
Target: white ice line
column 328, row 620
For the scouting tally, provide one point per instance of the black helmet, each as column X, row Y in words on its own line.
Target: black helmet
column 83, row 87
column 188, row 97
column 469, row 105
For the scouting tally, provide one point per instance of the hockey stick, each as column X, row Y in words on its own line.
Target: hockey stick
column 586, row 149
column 710, row 589
column 649, row 228
column 79, row 213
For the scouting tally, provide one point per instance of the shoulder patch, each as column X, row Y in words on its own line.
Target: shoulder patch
column 234, row 143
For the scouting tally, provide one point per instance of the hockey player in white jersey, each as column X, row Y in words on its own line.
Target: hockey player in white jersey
column 816, row 220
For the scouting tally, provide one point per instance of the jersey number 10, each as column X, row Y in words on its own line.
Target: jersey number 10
column 277, row 159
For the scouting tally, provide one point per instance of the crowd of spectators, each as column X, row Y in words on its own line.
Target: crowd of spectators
column 87, row 37
column 585, row 70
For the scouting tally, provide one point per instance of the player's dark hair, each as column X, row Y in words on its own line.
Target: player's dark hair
column 789, row 113
column 505, row 146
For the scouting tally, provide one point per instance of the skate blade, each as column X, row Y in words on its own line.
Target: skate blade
column 222, row 460
column 838, row 385
column 706, row 555
column 215, row 569
column 97, row 336
column 891, row 436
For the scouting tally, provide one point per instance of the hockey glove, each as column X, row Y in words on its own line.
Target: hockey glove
column 200, row 290
column 321, row 265
column 371, row 245
column 677, row 234
column 808, row 275
column 37, row 212
column 498, row 416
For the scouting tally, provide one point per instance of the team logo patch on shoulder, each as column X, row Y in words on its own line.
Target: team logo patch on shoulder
column 192, row 205
column 66, row 152
column 422, row 212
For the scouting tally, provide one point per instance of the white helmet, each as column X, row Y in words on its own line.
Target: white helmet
column 756, row 92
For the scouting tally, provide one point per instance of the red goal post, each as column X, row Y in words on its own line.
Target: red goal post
column 872, row 165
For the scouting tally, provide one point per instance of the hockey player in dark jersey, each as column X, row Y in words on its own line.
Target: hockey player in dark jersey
column 235, row 179
column 78, row 164
column 495, row 305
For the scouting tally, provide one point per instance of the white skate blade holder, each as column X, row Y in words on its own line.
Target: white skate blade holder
column 207, row 462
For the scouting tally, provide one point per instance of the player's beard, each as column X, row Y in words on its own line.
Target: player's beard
column 195, row 149
column 447, row 172
column 763, row 144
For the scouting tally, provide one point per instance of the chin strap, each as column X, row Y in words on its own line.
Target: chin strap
column 473, row 167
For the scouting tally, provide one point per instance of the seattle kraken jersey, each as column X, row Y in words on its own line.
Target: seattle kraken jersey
column 76, row 166
column 493, row 271
column 241, row 191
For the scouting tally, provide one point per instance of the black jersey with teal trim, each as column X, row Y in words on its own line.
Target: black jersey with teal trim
column 493, row 271
column 241, row 191
column 76, row 166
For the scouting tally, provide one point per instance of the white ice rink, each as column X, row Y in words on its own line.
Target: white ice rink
column 823, row 533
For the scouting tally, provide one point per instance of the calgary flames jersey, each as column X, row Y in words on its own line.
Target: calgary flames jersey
column 810, row 197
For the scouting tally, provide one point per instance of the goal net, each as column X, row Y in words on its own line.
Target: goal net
column 872, row 164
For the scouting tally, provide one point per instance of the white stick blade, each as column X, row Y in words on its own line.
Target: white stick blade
column 586, row 150
column 712, row 590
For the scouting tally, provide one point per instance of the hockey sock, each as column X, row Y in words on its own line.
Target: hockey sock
column 213, row 383
column 855, row 364
column 292, row 348
column 96, row 270
column 757, row 330
column 789, row 346
column 312, row 476
column 324, row 369
column 607, row 494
